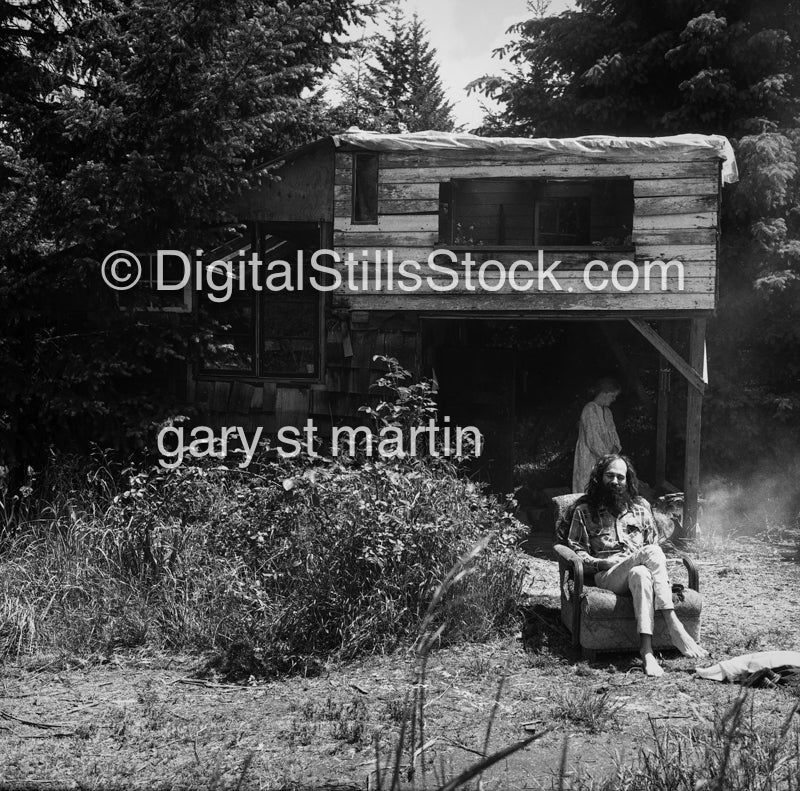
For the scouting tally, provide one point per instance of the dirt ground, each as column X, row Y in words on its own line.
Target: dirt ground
column 147, row 722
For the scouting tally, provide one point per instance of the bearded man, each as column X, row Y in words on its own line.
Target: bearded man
column 613, row 532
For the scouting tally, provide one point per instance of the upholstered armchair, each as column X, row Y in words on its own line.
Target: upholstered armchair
column 600, row 620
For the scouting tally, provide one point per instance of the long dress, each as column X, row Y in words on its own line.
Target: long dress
column 597, row 435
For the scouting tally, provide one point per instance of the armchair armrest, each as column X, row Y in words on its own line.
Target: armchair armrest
column 691, row 569
column 566, row 555
column 570, row 563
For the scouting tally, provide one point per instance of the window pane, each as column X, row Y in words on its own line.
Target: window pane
column 289, row 356
column 231, row 347
column 564, row 221
column 365, row 188
column 290, row 333
column 497, row 212
column 492, row 212
column 289, row 319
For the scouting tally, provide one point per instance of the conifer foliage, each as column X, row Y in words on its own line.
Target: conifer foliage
column 121, row 117
column 393, row 83
column 728, row 67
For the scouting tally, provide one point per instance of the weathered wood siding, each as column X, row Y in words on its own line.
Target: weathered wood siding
column 674, row 217
column 349, row 372
column 297, row 190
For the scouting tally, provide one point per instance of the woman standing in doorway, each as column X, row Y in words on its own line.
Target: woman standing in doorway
column 597, row 434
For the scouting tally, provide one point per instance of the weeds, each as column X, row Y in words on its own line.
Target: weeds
column 282, row 564
column 300, row 734
column 409, row 751
column 724, row 572
column 759, row 639
column 735, row 754
column 595, row 710
column 295, row 563
column 394, row 711
column 479, row 666
column 351, row 723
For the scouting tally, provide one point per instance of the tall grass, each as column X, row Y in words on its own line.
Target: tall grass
column 736, row 752
column 407, row 760
column 301, row 562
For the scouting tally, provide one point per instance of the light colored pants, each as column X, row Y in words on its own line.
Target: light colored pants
column 645, row 574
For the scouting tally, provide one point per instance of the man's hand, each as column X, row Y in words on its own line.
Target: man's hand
column 605, row 565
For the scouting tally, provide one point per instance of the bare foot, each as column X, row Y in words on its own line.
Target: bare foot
column 684, row 642
column 651, row 666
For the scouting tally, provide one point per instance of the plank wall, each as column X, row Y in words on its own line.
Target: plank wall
column 297, row 190
column 349, row 371
column 675, row 217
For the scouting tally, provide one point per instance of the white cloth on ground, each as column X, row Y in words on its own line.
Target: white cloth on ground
column 742, row 666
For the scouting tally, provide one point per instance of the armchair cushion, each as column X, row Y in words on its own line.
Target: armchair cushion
column 607, row 621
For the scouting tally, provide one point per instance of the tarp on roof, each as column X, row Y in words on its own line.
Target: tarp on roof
column 589, row 146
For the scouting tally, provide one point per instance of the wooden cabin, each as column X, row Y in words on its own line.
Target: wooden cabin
column 623, row 202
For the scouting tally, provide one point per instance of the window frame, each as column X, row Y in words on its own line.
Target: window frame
column 539, row 188
column 360, row 156
column 148, row 282
column 257, row 335
column 318, row 338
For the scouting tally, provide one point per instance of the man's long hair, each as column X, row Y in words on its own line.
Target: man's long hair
column 594, row 490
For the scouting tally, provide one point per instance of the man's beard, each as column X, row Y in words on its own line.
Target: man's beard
column 616, row 500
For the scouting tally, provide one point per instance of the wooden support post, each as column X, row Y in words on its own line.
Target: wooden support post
column 662, row 409
column 694, row 407
column 696, row 377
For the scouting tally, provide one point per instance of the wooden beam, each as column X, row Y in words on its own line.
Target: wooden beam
column 662, row 410
column 693, row 371
column 510, row 304
column 694, row 408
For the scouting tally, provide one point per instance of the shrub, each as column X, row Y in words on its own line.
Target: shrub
column 300, row 561
column 332, row 559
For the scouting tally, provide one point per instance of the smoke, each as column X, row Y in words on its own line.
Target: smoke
column 753, row 501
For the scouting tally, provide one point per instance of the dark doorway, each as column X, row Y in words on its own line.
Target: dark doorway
column 523, row 383
column 477, row 388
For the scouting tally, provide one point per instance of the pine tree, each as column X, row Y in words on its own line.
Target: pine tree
column 388, row 77
column 128, row 123
column 425, row 104
column 728, row 67
column 357, row 105
column 392, row 83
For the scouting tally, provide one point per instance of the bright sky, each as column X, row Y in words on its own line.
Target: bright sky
column 464, row 33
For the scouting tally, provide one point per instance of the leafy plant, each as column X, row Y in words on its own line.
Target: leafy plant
column 405, row 406
column 282, row 565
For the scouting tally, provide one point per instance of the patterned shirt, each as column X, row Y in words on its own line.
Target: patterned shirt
column 609, row 535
